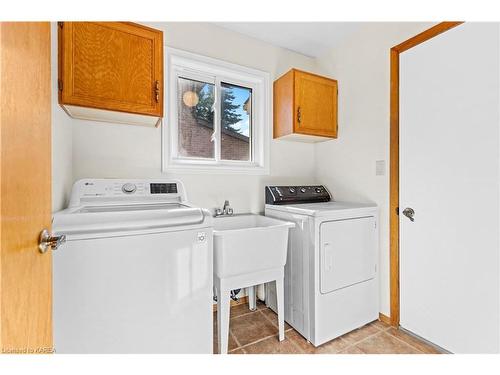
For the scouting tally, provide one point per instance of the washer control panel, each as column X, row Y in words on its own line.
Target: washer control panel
column 296, row 194
column 133, row 190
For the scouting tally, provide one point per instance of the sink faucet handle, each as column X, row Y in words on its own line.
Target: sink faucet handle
column 225, row 210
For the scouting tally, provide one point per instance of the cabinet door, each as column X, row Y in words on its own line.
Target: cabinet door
column 315, row 105
column 115, row 66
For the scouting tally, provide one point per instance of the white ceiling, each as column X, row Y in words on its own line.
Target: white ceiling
column 309, row 38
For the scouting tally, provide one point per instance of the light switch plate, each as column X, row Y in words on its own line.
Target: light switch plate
column 380, row 168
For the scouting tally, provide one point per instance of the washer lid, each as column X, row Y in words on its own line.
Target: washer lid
column 129, row 207
column 121, row 219
column 325, row 208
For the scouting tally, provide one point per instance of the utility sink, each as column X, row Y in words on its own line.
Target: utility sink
column 249, row 243
column 248, row 250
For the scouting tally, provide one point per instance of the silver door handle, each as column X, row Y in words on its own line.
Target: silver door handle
column 409, row 213
column 49, row 241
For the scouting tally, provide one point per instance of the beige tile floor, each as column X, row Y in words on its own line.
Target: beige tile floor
column 256, row 332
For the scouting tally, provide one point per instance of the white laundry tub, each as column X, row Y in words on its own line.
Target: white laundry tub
column 249, row 243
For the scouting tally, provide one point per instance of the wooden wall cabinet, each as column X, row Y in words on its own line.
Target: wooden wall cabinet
column 111, row 71
column 305, row 107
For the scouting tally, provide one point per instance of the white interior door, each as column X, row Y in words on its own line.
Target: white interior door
column 449, row 175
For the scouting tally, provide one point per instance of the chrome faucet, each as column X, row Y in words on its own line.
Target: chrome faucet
column 225, row 210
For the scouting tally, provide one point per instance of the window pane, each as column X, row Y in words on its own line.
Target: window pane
column 236, row 119
column 195, row 103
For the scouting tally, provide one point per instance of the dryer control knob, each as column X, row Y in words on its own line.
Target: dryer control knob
column 129, row 188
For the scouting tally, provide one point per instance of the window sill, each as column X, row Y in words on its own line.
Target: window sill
column 248, row 169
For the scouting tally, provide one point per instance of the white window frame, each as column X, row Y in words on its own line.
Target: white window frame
column 210, row 70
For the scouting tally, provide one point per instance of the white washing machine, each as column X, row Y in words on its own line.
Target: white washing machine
column 331, row 273
column 135, row 273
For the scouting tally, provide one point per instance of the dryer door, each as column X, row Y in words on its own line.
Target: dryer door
column 347, row 253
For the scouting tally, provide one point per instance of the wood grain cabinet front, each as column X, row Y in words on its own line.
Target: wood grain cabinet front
column 305, row 107
column 110, row 69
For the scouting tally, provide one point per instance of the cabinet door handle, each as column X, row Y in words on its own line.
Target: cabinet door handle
column 157, row 90
column 299, row 115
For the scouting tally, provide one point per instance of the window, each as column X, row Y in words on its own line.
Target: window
column 218, row 116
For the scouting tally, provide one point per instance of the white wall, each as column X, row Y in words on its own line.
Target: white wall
column 62, row 176
column 108, row 150
column 347, row 165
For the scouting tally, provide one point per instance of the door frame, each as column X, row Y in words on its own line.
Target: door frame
column 394, row 158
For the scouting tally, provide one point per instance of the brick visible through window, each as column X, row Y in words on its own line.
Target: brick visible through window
column 196, row 120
